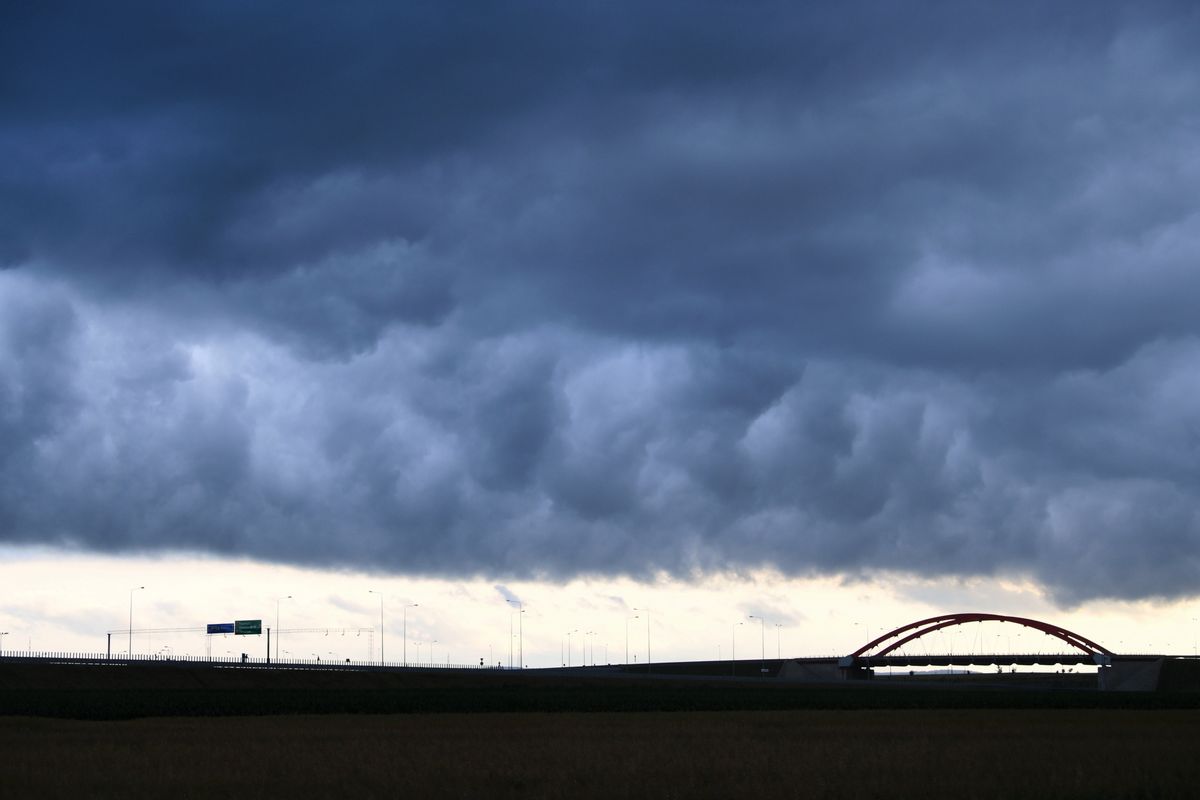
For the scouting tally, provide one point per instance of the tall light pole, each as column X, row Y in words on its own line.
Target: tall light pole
column 646, row 611
column 406, row 608
column 277, row 599
column 569, row 645
column 131, row 591
column 762, row 633
column 372, row 591
column 778, row 625
column 635, row 616
column 733, row 650
column 2, row 635
column 867, row 628
column 520, row 634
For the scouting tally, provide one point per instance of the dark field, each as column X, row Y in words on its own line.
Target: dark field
column 180, row 731
column 835, row 754
column 113, row 693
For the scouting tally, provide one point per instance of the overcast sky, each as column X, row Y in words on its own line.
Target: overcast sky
column 534, row 291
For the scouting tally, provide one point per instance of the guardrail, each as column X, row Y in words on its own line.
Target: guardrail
column 67, row 657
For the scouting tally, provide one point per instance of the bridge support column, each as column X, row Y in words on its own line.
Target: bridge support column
column 857, row 673
column 1150, row 674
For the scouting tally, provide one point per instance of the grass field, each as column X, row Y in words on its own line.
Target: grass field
column 813, row 753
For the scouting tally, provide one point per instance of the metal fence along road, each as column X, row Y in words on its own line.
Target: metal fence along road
column 40, row 657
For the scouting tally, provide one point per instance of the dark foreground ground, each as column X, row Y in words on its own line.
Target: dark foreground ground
column 179, row 731
column 964, row 753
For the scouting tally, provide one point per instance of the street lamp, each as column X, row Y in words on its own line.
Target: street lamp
column 131, row 591
column 646, row 611
column 762, row 635
column 277, row 599
column 2, row 635
column 778, row 625
column 431, row 644
column 372, row 591
column 520, row 634
column 406, row 608
column 733, row 650
column 569, row 645
column 635, row 616
column 867, row 628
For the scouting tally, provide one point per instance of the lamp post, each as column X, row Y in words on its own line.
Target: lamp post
column 569, row 645
column 2, row 635
column 406, row 608
column 778, row 625
column 635, row 616
column 866, row 627
column 733, row 650
column 131, row 591
column 372, row 591
column 277, row 599
column 431, row 644
column 520, row 634
column 646, row 611
column 762, row 634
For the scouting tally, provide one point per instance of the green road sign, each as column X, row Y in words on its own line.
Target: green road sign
column 246, row 627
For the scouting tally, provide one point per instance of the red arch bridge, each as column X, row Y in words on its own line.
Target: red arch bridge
column 889, row 650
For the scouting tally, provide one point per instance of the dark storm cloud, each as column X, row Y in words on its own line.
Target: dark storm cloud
column 546, row 289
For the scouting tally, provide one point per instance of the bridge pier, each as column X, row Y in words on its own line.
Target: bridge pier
column 1150, row 674
column 856, row 672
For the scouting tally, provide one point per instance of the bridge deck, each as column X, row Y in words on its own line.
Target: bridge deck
column 978, row 660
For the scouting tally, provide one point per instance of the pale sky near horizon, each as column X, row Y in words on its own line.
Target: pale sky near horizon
column 68, row 601
column 848, row 312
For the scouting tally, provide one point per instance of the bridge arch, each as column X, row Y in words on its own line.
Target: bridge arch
column 915, row 630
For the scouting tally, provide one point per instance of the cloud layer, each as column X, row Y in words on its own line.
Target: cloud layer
column 595, row 288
